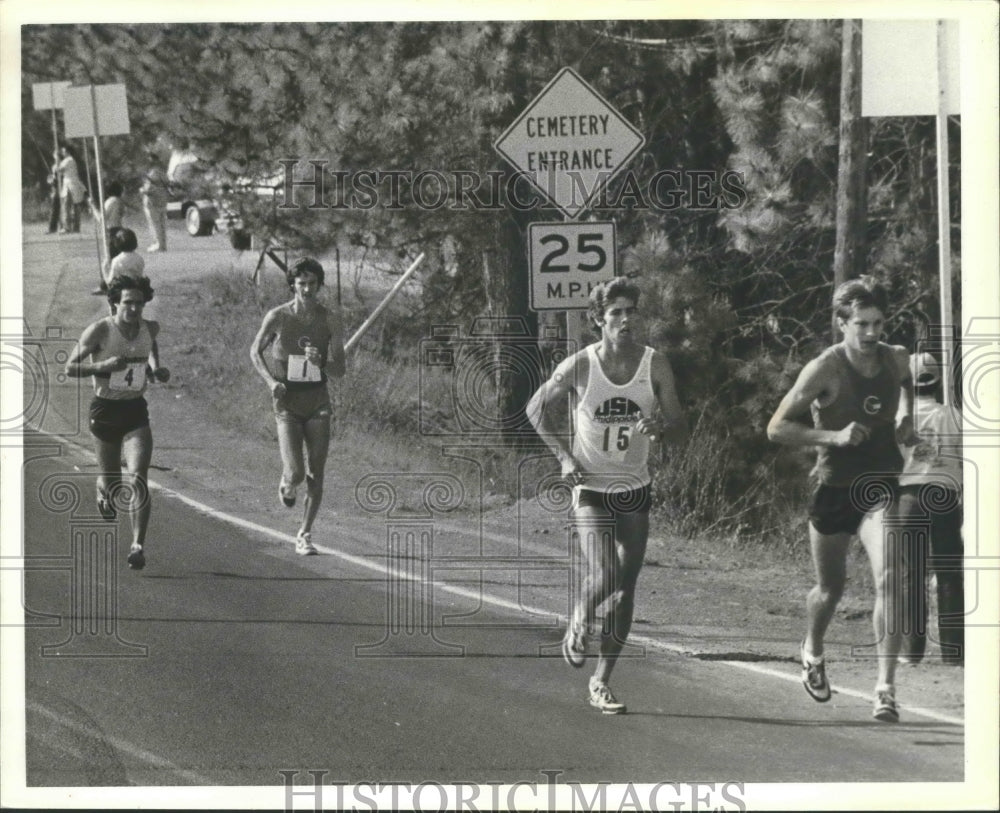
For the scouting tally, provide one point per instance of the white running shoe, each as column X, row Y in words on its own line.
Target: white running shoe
column 601, row 698
column 304, row 545
column 885, row 710
column 574, row 645
column 286, row 493
column 814, row 676
column 136, row 558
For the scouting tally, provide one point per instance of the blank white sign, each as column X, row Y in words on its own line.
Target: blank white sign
column 899, row 63
column 48, row 95
column 112, row 111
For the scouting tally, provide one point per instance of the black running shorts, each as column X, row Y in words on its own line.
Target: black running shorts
column 633, row 501
column 300, row 405
column 111, row 420
column 840, row 509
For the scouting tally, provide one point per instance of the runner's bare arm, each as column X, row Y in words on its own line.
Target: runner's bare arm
column 91, row 340
column 906, row 435
column 671, row 423
column 159, row 372
column 550, row 402
column 335, row 363
column 787, row 425
column 265, row 336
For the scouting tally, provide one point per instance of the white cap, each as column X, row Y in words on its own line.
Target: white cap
column 925, row 369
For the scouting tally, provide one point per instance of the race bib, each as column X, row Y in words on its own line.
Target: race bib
column 301, row 369
column 132, row 378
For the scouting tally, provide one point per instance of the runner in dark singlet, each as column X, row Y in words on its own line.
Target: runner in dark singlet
column 851, row 393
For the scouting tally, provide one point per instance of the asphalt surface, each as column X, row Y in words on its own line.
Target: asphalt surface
column 229, row 658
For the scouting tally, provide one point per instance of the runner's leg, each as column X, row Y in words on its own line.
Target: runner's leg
column 109, row 467
column 829, row 554
column 595, row 532
column 885, row 555
column 138, row 449
column 290, row 439
column 317, row 440
column 631, row 535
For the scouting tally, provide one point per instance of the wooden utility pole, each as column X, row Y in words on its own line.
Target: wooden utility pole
column 852, row 200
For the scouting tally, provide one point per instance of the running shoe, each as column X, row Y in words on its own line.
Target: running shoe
column 136, row 558
column 104, row 506
column 574, row 645
column 885, row 706
column 286, row 493
column 814, row 676
column 304, row 545
column 601, row 698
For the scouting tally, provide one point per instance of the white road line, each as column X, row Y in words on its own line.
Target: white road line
column 496, row 601
column 510, row 605
column 918, row 710
column 122, row 746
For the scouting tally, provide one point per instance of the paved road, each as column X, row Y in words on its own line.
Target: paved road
column 252, row 665
column 230, row 659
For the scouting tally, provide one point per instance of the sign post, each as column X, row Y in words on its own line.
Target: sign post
column 95, row 111
column 50, row 96
column 569, row 143
column 926, row 52
column 567, row 260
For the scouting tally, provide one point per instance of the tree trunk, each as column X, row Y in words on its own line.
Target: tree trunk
column 516, row 368
column 849, row 254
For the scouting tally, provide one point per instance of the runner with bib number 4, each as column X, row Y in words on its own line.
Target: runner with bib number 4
column 120, row 352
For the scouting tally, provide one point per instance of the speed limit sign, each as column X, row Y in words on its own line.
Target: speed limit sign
column 567, row 260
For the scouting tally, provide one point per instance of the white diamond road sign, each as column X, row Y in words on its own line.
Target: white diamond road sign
column 567, row 260
column 569, row 142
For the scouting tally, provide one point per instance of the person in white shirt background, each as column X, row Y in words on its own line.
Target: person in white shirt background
column 931, row 511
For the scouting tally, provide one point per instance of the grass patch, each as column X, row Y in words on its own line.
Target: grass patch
column 386, row 409
column 395, row 415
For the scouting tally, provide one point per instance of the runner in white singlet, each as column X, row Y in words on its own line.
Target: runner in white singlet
column 623, row 397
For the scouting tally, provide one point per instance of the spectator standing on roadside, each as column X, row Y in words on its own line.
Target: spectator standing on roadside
column 125, row 261
column 154, row 203
column 114, row 207
column 72, row 192
column 54, row 192
column 113, row 213
column 852, row 393
column 930, row 509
